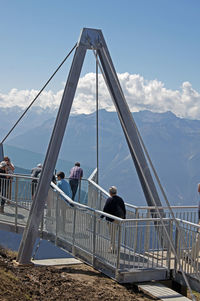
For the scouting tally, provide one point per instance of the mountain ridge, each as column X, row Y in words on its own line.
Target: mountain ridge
column 172, row 142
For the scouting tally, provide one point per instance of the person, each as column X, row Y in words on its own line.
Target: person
column 9, row 170
column 76, row 174
column 35, row 173
column 9, row 166
column 2, row 184
column 115, row 206
column 65, row 187
column 63, row 184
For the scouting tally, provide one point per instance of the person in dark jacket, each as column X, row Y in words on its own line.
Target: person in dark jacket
column 115, row 206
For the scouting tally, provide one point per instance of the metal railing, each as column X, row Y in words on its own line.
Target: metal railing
column 189, row 253
column 98, row 198
column 123, row 245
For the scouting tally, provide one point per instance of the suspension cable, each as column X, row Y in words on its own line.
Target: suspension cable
column 38, row 94
column 97, row 118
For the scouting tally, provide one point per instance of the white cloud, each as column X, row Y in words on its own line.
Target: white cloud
column 140, row 94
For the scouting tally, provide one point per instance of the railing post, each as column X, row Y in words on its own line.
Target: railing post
column 74, row 232
column 119, row 225
column 100, row 199
column 57, row 218
column 169, row 247
column 176, row 249
column 147, row 233
column 16, row 202
column 136, row 230
column 94, row 239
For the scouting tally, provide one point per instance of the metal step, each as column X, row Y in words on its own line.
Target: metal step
column 160, row 291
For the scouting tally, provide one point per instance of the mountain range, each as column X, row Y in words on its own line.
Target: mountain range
column 173, row 144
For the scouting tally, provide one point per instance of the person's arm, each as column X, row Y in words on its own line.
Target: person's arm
column 81, row 174
column 59, row 184
column 105, row 208
column 11, row 166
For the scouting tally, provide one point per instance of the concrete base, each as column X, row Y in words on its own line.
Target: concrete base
column 56, row 261
column 17, row 264
column 160, row 291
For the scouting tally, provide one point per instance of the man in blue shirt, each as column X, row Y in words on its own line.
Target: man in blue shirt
column 63, row 184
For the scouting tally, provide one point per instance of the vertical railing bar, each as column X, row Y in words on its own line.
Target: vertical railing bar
column 118, row 227
column 57, row 218
column 154, row 244
column 73, row 233
column 169, row 249
column 16, row 203
column 148, row 246
column 136, row 229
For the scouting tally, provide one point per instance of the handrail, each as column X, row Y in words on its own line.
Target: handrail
column 163, row 207
column 107, row 194
column 188, row 223
column 102, row 212
column 142, row 207
column 92, row 174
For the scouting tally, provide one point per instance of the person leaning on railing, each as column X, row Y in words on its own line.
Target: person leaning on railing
column 9, row 170
column 76, row 174
column 63, row 184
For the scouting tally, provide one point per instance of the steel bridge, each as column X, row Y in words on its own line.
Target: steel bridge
column 153, row 242
column 78, row 227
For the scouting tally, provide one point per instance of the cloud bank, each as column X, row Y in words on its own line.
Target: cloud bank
column 141, row 94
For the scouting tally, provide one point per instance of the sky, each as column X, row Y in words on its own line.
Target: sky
column 154, row 45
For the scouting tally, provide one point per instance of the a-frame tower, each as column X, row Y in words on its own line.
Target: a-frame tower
column 89, row 39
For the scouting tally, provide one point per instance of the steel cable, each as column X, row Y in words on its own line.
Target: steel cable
column 38, row 94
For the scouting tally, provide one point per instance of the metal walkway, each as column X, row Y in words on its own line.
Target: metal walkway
column 140, row 255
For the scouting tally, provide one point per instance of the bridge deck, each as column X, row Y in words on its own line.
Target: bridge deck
column 141, row 253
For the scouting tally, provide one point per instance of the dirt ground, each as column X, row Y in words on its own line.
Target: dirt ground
column 75, row 282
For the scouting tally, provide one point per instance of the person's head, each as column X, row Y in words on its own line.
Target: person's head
column 60, row 175
column 3, row 164
column 6, row 159
column 77, row 164
column 113, row 190
column 39, row 165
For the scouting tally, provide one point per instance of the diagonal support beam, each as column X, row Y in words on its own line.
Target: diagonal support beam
column 127, row 123
column 37, row 209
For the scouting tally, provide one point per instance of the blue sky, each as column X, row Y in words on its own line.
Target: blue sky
column 157, row 39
